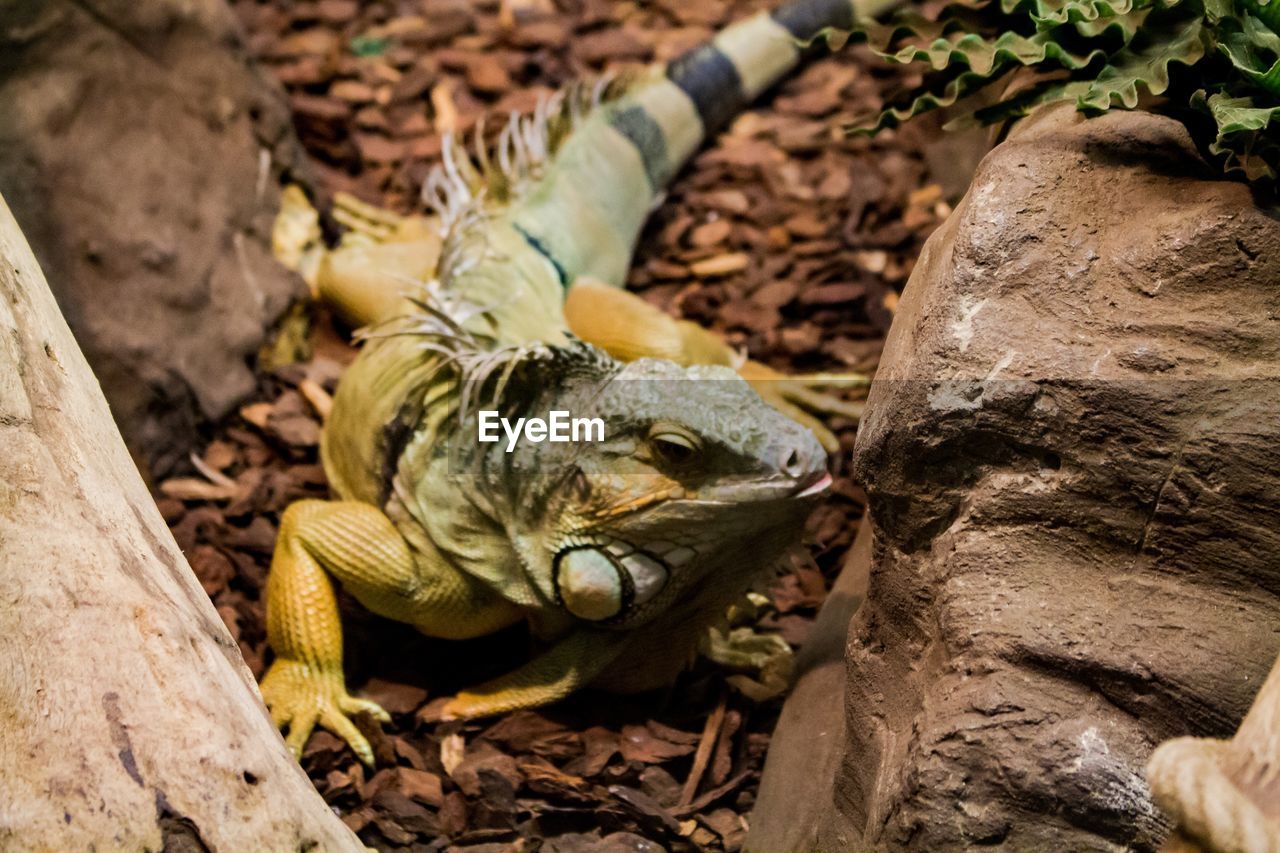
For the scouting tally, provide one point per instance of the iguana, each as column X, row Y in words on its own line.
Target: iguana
column 616, row 553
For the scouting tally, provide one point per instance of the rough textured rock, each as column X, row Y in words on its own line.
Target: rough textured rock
column 141, row 151
column 1073, row 461
column 805, row 751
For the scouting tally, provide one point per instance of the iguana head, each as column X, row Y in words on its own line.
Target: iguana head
column 697, row 486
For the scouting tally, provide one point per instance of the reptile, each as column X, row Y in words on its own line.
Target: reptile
column 616, row 553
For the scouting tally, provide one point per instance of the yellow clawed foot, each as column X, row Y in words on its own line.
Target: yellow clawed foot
column 762, row 662
column 300, row 696
column 373, row 224
column 368, row 225
column 296, row 240
column 806, row 396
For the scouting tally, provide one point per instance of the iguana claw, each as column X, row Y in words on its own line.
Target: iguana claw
column 799, row 397
column 365, row 222
column 300, row 696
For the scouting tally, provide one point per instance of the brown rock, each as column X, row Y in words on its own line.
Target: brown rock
column 703, row 12
column 726, row 201
column 446, row 20
column 640, row 744
column 316, row 41
column 414, row 83
column 353, row 91
column 394, row 697
column 303, row 72
column 149, row 198
column 808, row 224
column 528, row 731
column 480, row 758
column 329, row 114
column 373, row 119
column 420, row 785
column 337, row 11
column 1071, row 458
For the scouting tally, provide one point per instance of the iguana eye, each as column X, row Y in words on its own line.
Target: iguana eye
column 673, row 448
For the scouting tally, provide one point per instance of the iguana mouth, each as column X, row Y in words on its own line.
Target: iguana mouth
column 814, row 485
column 767, row 490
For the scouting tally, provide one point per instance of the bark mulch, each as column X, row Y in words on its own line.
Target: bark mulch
column 786, row 235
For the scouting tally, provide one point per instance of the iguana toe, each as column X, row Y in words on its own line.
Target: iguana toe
column 804, row 396
column 299, row 697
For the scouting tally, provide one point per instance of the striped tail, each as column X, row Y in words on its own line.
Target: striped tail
column 719, row 78
column 589, row 211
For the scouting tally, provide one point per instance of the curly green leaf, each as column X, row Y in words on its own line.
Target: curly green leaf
column 958, row 87
column 1251, row 51
column 1101, row 55
column 1118, row 82
column 1048, row 15
column 1126, row 26
column 985, row 58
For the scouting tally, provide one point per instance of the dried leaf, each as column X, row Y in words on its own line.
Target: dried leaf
column 191, row 489
column 394, row 697
column 452, row 751
column 712, row 233
column 420, row 785
column 640, row 744
column 725, row 264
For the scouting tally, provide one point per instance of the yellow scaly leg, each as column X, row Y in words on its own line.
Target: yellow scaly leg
column 359, row 545
column 369, row 224
column 570, row 664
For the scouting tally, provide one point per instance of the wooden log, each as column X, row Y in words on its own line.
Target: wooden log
column 128, row 719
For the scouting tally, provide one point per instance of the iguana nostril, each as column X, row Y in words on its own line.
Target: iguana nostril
column 793, row 466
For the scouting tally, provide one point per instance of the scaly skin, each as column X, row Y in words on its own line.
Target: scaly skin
column 611, row 550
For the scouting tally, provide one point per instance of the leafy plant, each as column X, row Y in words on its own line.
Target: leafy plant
column 1215, row 64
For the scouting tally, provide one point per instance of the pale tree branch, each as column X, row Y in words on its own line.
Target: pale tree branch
column 127, row 718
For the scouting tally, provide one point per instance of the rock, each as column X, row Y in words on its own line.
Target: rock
column 807, row 745
column 141, row 152
column 1073, row 464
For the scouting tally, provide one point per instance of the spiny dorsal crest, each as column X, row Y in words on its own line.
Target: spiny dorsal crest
column 438, row 322
column 464, row 181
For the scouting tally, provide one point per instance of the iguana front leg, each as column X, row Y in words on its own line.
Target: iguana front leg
column 570, row 664
column 627, row 327
column 305, row 684
column 357, row 544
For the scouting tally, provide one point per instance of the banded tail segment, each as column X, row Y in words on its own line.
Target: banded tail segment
column 590, row 209
column 746, row 58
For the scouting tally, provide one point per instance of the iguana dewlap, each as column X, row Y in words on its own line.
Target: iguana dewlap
column 617, row 553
